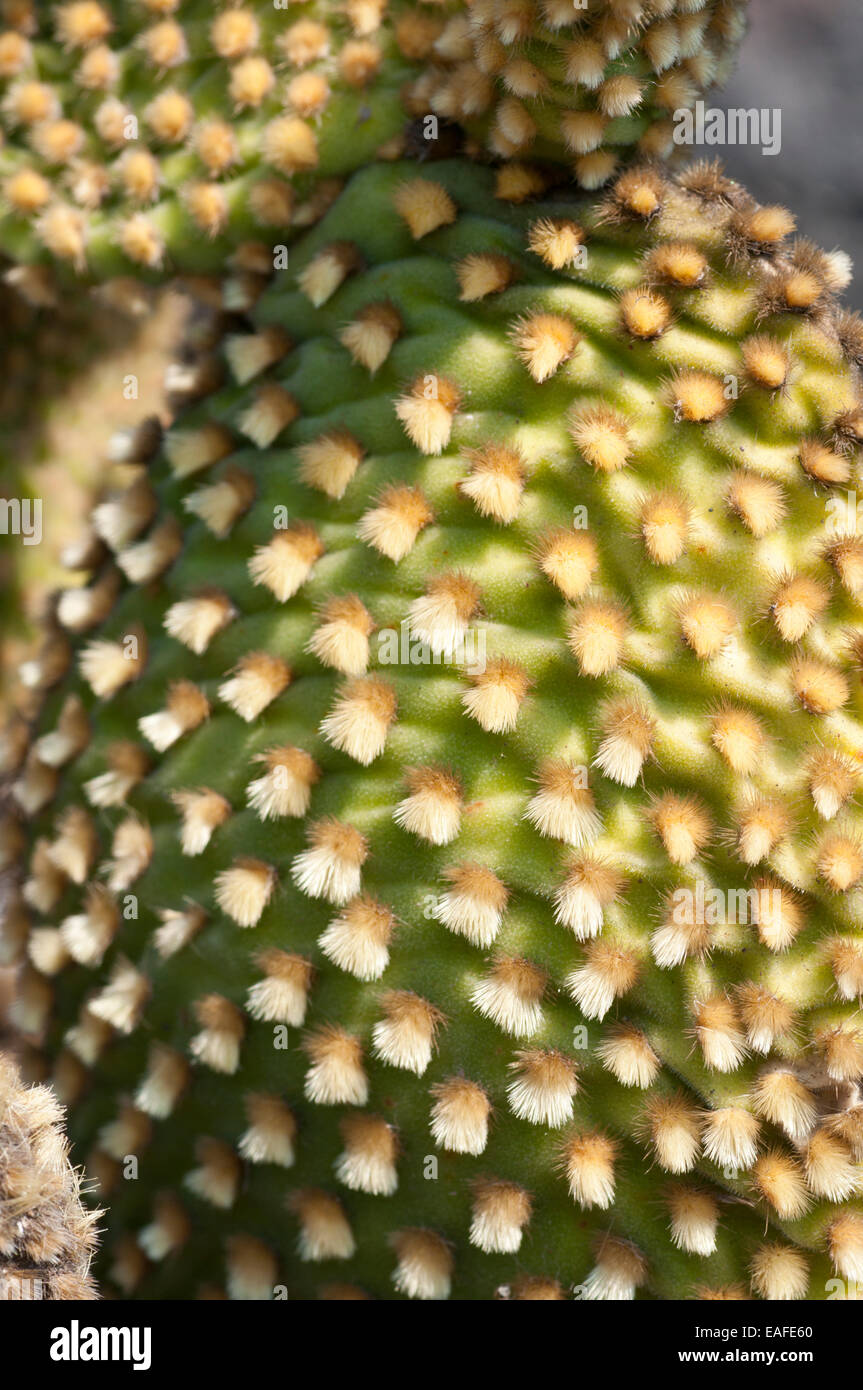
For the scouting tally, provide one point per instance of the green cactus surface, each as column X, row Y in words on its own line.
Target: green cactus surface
column 443, row 863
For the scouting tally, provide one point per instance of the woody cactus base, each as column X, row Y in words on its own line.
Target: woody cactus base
column 447, row 675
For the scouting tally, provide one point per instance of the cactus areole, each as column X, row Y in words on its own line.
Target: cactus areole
column 438, row 856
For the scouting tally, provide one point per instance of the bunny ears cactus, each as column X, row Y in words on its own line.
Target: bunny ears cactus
column 442, row 855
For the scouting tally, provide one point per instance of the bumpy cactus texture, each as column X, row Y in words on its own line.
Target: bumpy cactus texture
column 46, row 1236
column 492, row 621
column 162, row 136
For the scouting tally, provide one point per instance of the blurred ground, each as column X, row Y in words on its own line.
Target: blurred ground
column 804, row 57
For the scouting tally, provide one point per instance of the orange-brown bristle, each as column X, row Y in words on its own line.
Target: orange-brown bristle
column 496, row 481
column 544, row 342
column 707, row 623
column 597, row 637
column 424, row 206
column 767, row 362
column 677, row 263
column 664, row 526
column 822, row 463
column 556, row 241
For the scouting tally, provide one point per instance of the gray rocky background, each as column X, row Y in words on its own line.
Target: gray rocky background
column 805, row 57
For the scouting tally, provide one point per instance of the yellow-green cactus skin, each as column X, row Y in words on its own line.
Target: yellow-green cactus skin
column 439, row 854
